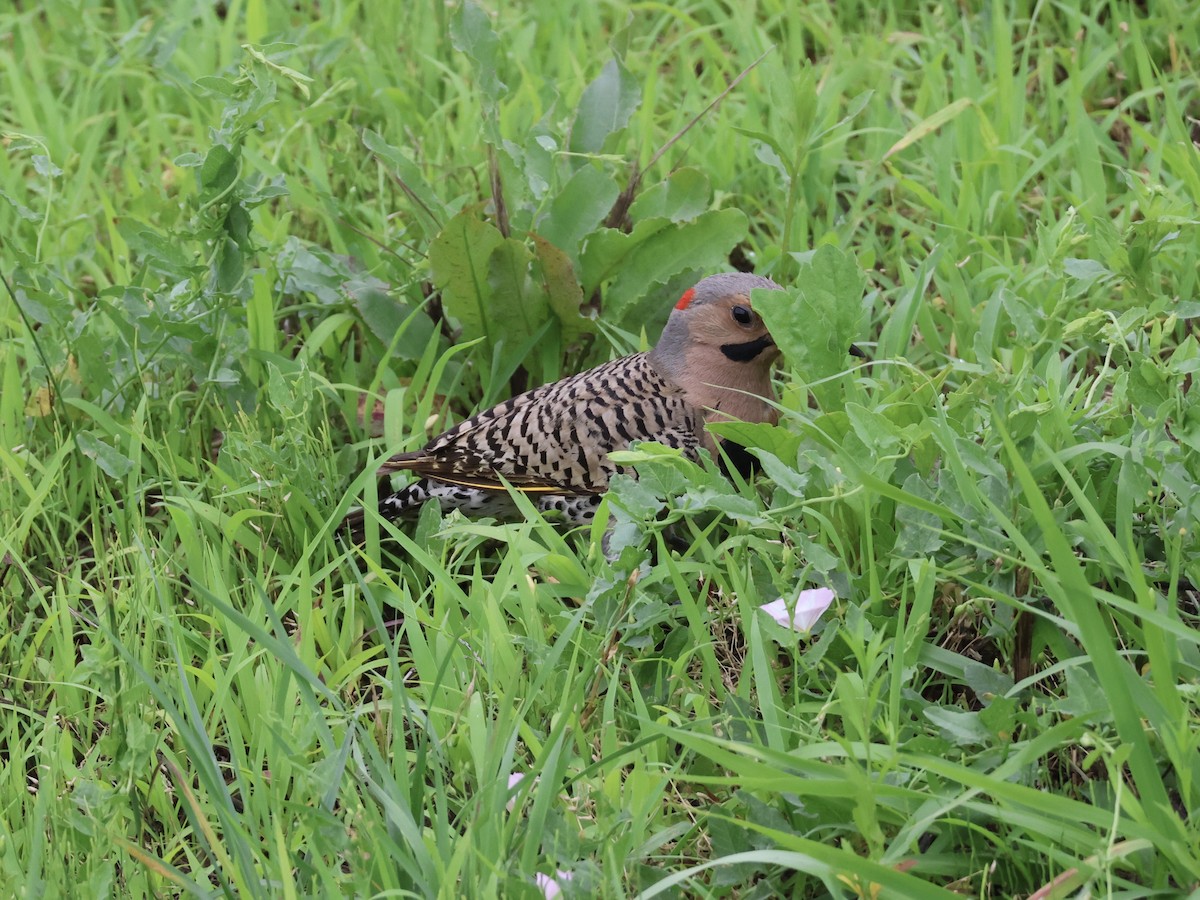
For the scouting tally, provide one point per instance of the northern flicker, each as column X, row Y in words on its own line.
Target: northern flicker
column 712, row 363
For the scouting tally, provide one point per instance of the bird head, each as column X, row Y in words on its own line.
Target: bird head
column 717, row 348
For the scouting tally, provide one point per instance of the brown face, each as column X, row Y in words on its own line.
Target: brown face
column 732, row 326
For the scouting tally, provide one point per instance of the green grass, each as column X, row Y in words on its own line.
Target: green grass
column 220, row 222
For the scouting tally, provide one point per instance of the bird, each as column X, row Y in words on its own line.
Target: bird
column 711, row 363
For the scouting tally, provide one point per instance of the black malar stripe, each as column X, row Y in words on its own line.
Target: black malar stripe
column 747, row 351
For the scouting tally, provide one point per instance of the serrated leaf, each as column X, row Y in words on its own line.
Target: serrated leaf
column 163, row 252
column 311, row 269
column 635, row 498
column 661, row 471
column 605, row 107
column 471, row 33
column 23, row 211
column 815, row 322
column 578, row 209
column 458, row 261
column 45, row 167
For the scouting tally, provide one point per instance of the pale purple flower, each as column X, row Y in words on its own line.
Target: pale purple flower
column 513, row 780
column 803, row 614
column 550, row 887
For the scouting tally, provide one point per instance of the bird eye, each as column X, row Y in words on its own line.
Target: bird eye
column 742, row 315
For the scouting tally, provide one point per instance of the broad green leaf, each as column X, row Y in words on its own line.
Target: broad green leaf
column 983, row 680
column 164, row 253
column 458, row 260
column 23, row 211
column 312, row 269
column 1185, row 309
column 1002, row 716
column 816, row 321
column 963, row 728
column 562, row 289
column 608, row 248
column 654, row 252
column 1085, row 270
column 111, row 461
column 605, row 107
column 773, row 439
column 44, row 166
column 635, row 497
column 471, row 33
column 216, row 84
column 385, row 316
column 720, row 496
column 663, row 470
column 785, row 476
column 681, row 197
column 768, row 152
column 578, row 209
column 517, row 308
column 218, row 172
column 228, row 266
column 918, row 530
column 238, row 225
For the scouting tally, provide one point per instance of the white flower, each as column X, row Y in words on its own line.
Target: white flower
column 549, row 886
column 802, row 615
column 513, row 780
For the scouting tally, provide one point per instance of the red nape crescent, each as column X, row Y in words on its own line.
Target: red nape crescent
column 686, row 298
